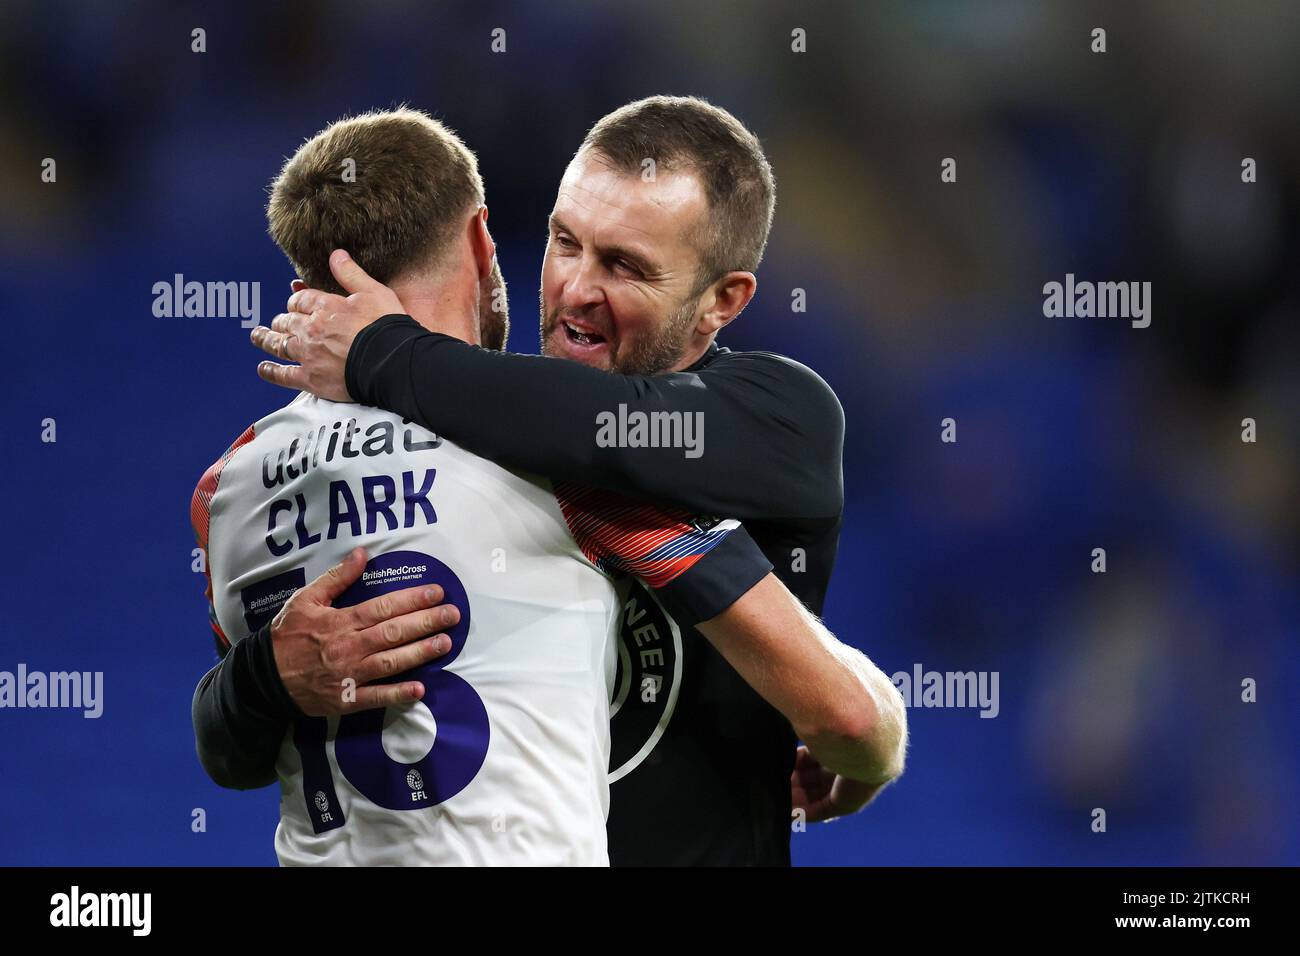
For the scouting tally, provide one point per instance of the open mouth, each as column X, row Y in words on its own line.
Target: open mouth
column 581, row 337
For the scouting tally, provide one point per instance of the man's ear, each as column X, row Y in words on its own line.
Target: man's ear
column 485, row 250
column 725, row 300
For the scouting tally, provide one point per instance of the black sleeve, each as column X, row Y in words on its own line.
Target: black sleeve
column 773, row 431
column 241, row 712
column 718, row 580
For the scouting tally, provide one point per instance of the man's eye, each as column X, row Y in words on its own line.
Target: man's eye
column 564, row 242
column 624, row 266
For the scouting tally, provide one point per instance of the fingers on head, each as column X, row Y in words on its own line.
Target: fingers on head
column 306, row 301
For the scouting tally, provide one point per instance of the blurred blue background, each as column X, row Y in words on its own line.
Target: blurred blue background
column 1118, row 690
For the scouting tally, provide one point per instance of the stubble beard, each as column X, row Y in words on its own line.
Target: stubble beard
column 651, row 354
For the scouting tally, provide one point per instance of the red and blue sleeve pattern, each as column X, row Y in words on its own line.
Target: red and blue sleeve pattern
column 703, row 565
column 201, row 518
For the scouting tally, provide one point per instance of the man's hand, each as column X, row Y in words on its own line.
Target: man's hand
column 318, row 329
column 318, row 646
column 823, row 795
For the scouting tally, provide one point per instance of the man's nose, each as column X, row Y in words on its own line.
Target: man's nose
column 582, row 288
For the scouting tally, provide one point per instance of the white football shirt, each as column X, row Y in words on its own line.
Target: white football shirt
column 505, row 759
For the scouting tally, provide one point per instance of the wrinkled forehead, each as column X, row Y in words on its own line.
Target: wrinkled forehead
column 663, row 210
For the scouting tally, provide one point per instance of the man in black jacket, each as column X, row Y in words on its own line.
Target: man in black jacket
column 659, row 225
